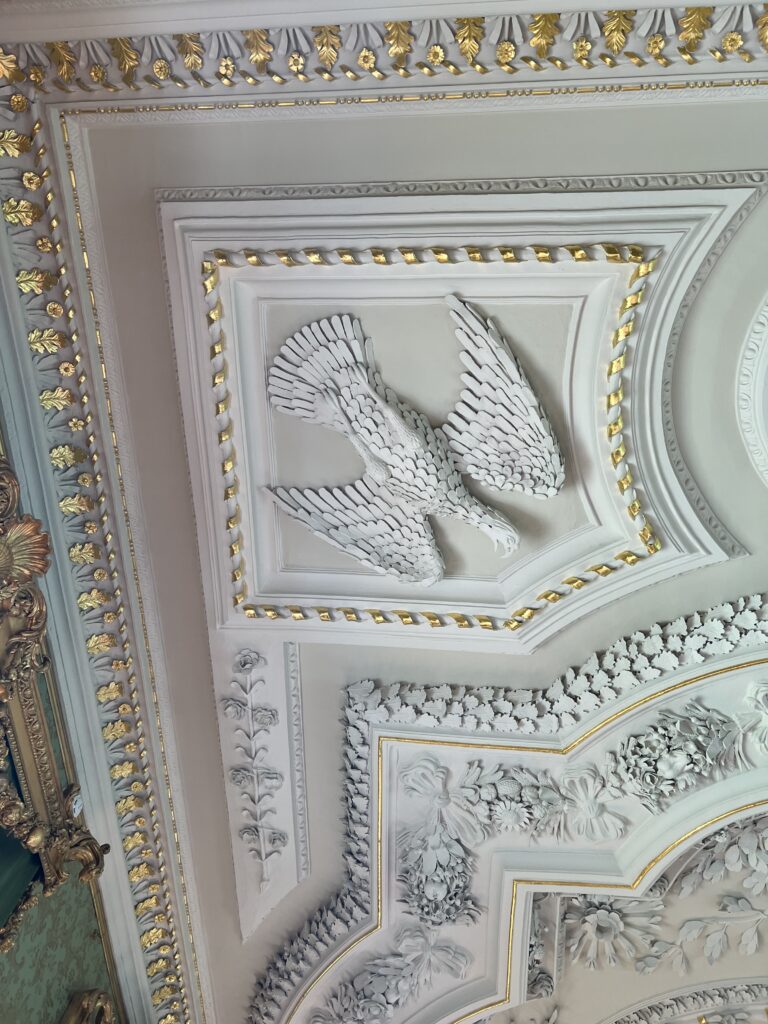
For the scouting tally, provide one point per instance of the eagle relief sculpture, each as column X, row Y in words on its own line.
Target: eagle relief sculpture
column 498, row 434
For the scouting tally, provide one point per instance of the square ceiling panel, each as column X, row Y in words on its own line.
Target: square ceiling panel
column 583, row 289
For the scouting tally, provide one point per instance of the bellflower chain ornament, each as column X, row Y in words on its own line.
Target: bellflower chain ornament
column 497, row 434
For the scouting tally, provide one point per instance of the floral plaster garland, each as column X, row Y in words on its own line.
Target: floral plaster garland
column 388, row 982
column 611, row 930
column 679, row 752
column 630, row 661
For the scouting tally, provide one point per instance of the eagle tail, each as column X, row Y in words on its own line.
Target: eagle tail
column 321, row 359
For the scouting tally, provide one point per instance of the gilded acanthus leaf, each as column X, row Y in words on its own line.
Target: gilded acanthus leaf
column 46, row 341
column 259, row 47
column 543, row 32
column 327, row 44
column 84, row 554
column 64, row 456
column 469, row 34
column 399, row 39
column 114, row 731
column 616, row 28
column 112, row 691
column 127, row 58
column 63, row 60
column 693, row 24
column 13, row 144
column 762, row 28
column 21, row 211
column 35, row 281
column 56, row 398
column 9, row 67
column 93, row 598
column 76, row 504
column 100, row 643
column 190, row 50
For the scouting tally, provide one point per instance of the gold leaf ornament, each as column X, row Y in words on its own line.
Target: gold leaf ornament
column 397, row 36
column 56, row 398
column 616, row 28
column 100, row 643
column 13, row 144
column 63, row 60
column 469, row 35
column 327, row 44
column 693, row 24
column 259, row 48
column 762, row 27
column 124, row 53
column 93, row 598
column 543, row 32
column 46, row 341
column 21, row 211
column 75, row 504
column 190, row 50
column 65, row 456
column 35, row 281
column 9, row 67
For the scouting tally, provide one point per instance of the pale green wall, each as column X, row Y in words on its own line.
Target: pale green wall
column 58, row 952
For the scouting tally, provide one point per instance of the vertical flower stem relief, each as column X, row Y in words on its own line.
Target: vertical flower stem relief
column 253, row 776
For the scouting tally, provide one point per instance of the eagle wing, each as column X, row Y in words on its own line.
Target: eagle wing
column 498, row 430
column 364, row 520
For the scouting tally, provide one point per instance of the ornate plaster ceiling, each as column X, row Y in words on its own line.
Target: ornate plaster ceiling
column 336, row 794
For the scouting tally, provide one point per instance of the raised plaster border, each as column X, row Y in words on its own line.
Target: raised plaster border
column 752, row 392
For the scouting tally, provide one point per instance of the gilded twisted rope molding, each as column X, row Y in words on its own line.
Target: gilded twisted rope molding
column 412, row 256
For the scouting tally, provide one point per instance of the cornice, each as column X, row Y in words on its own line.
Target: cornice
column 624, row 50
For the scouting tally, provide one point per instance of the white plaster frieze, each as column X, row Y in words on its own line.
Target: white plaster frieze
column 685, row 748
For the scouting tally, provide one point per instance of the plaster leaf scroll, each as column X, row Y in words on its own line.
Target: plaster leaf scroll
column 389, row 981
column 681, row 750
column 256, row 780
column 498, row 434
column 630, row 661
column 738, row 920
